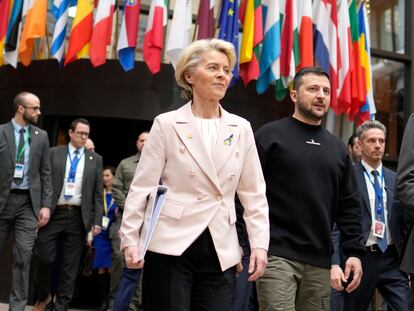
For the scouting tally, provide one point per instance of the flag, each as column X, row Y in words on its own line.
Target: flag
column 11, row 46
column 252, row 20
column 102, row 32
column 34, row 27
column 205, row 19
column 81, row 31
column 358, row 91
column 179, row 36
column 60, row 11
column 153, row 39
column 229, row 31
column 368, row 110
column 326, row 43
column 128, row 35
column 305, row 34
column 270, row 57
column 4, row 19
column 289, row 52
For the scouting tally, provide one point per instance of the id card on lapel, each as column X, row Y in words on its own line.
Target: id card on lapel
column 18, row 170
column 69, row 189
column 379, row 229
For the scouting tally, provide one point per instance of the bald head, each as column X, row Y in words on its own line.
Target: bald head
column 27, row 108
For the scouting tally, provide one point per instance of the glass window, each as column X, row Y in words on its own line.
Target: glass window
column 386, row 20
column 388, row 85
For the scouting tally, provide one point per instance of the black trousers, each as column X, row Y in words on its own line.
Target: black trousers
column 193, row 281
column 67, row 226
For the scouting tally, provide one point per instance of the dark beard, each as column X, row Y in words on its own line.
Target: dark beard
column 28, row 119
column 309, row 114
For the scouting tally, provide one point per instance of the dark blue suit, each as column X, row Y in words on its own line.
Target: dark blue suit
column 380, row 270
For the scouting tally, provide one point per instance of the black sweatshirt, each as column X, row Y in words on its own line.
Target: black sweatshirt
column 310, row 185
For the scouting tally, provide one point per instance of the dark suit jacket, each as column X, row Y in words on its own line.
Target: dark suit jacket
column 394, row 219
column 39, row 166
column 405, row 190
column 92, row 195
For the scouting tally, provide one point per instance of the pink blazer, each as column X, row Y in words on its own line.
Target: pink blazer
column 201, row 188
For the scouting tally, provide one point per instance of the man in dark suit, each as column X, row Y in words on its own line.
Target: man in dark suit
column 77, row 208
column 405, row 190
column 25, row 188
column 381, row 227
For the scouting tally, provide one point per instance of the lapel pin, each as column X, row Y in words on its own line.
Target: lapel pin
column 36, row 132
column 90, row 158
column 190, row 135
column 228, row 140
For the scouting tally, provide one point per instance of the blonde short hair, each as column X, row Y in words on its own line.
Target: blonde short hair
column 190, row 57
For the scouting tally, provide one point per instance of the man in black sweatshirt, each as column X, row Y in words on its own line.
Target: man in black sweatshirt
column 310, row 185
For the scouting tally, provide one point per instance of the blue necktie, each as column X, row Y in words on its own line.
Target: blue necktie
column 379, row 211
column 72, row 171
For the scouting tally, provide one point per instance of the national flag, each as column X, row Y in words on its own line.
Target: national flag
column 153, row 39
column 34, row 27
column 81, row 31
column 4, row 19
column 270, row 57
column 11, row 47
column 229, row 30
column 368, row 110
column 305, row 33
column 102, row 32
column 289, row 53
column 347, row 62
column 358, row 88
column 326, row 43
column 205, row 19
column 251, row 17
column 60, row 11
column 180, row 30
column 128, row 35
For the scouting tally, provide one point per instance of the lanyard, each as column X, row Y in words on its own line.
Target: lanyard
column 73, row 166
column 21, row 151
column 378, row 193
column 106, row 208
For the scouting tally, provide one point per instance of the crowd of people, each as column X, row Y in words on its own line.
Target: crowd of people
column 282, row 219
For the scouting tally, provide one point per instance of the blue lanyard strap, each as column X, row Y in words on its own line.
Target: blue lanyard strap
column 73, row 166
column 378, row 192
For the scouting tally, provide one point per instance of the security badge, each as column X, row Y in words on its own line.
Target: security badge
column 70, row 189
column 18, row 170
column 105, row 222
column 379, row 229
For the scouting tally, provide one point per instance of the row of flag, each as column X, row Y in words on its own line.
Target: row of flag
column 278, row 38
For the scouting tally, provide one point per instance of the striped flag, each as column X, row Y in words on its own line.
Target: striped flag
column 270, row 57
column 345, row 47
column 229, row 31
column 305, row 34
column 11, row 47
column 251, row 17
column 128, row 35
column 60, row 11
column 289, row 53
column 34, row 27
column 4, row 19
column 326, row 43
column 102, row 32
column 81, row 32
column 368, row 110
column 153, row 39
column 205, row 19
column 180, row 30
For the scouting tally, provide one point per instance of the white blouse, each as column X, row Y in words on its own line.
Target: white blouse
column 209, row 129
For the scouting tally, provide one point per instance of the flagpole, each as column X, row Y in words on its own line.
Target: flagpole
column 116, row 32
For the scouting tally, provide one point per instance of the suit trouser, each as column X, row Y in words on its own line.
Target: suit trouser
column 381, row 272
column 67, row 225
column 193, row 281
column 18, row 213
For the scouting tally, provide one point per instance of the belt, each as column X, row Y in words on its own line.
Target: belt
column 67, row 206
column 20, row 191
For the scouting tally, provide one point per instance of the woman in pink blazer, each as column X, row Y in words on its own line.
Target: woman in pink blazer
column 204, row 155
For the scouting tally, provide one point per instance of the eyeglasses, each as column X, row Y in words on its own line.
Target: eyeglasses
column 33, row 108
column 82, row 134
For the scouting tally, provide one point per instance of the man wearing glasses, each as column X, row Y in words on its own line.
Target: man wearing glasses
column 77, row 207
column 25, row 189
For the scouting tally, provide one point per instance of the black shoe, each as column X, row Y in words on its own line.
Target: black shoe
column 50, row 306
column 104, row 306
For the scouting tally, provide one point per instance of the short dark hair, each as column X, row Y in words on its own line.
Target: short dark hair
column 316, row 70
column 111, row 168
column 77, row 121
column 351, row 140
column 20, row 99
column 144, row 132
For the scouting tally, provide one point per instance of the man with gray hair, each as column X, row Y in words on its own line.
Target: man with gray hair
column 381, row 228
